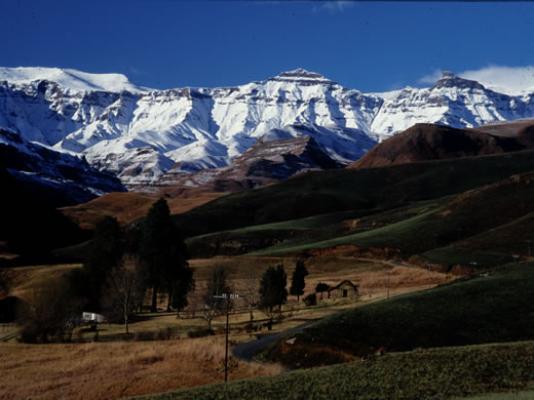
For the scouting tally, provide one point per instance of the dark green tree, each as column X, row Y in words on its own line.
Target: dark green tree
column 321, row 288
column 180, row 290
column 163, row 253
column 4, row 281
column 273, row 290
column 298, row 282
column 104, row 252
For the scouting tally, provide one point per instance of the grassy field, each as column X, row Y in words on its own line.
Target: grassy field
column 371, row 276
column 130, row 206
column 489, row 248
column 494, row 308
column 424, row 374
column 300, row 233
column 486, row 225
column 366, row 190
column 522, row 395
column 24, row 279
column 115, row 370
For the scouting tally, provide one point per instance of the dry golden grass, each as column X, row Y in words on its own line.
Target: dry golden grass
column 23, row 279
column 115, row 370
column 130, row 206
column 372, row 276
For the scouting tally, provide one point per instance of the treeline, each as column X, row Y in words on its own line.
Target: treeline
column 122, row 266
column 128, row 267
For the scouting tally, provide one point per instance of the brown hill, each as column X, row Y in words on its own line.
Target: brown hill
column 424, row 142
column 130, row 206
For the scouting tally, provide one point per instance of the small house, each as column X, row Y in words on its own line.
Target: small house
column 345, row 289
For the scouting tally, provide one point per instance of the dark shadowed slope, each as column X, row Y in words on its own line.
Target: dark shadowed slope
column 424, row 142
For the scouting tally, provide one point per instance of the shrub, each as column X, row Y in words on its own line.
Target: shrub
column 200, row 333
column 310, row 300
column 50, row 314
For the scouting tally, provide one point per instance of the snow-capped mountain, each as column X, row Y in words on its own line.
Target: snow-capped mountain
column 139, row 134
column 70, row 79
column 452, row 101
column 62, row 178
column 266, row 162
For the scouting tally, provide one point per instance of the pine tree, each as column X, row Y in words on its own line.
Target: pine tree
column 273, row 290
column 298, row 282
column 163, row 253
column 4, row 281
column 105, row 251
column 180, row 290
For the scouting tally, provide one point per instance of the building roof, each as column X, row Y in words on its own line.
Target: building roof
column 355, row 286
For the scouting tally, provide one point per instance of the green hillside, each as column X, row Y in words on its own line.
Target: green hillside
column 497, row 212
column 436, row 374
column 365, row 191
column 498, row 307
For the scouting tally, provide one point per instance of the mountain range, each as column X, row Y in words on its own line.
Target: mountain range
column 141, row 134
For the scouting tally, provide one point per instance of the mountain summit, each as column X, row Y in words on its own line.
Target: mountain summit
column 140, row 134
column 302, row 76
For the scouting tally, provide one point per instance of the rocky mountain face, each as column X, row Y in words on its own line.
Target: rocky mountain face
column 424, row 142
column 140, row 134
column 57, row 178
column 266, row 162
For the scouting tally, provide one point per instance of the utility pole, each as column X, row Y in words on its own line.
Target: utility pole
column 227, row 297
column 226, row 340
column 387, row 285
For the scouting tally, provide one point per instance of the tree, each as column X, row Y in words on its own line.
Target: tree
column 104, row 253
column 214, row 303
column 273, row 290
column 321, row 288
column 310, row 300
column 181, row 289
column 4, row 281
column 124, row 289
column 298, row 282
column 163, row 253
column 49, row 313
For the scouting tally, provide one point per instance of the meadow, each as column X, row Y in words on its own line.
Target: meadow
column 116, row 370
column 454, row 372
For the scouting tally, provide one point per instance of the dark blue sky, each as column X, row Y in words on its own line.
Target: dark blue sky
column 169, row 43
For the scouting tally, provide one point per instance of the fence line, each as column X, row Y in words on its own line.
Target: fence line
column 5, row 327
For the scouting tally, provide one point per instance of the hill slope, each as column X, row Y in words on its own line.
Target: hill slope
column 366, row 190
column 424, row 142
column 486, row 309
column 439, row 374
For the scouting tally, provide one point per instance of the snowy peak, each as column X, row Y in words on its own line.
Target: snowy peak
column 450, row 80
column 70, row 79
column 140, row 135
column 300, row 75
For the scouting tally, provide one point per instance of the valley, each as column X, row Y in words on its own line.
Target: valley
column 354, row 249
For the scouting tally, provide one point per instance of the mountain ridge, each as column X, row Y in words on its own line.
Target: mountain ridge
column 150, row 131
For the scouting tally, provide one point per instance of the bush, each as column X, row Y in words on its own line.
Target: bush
column 200, row 333
column 310, row 300
column 8, row 308
column 49, row 315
